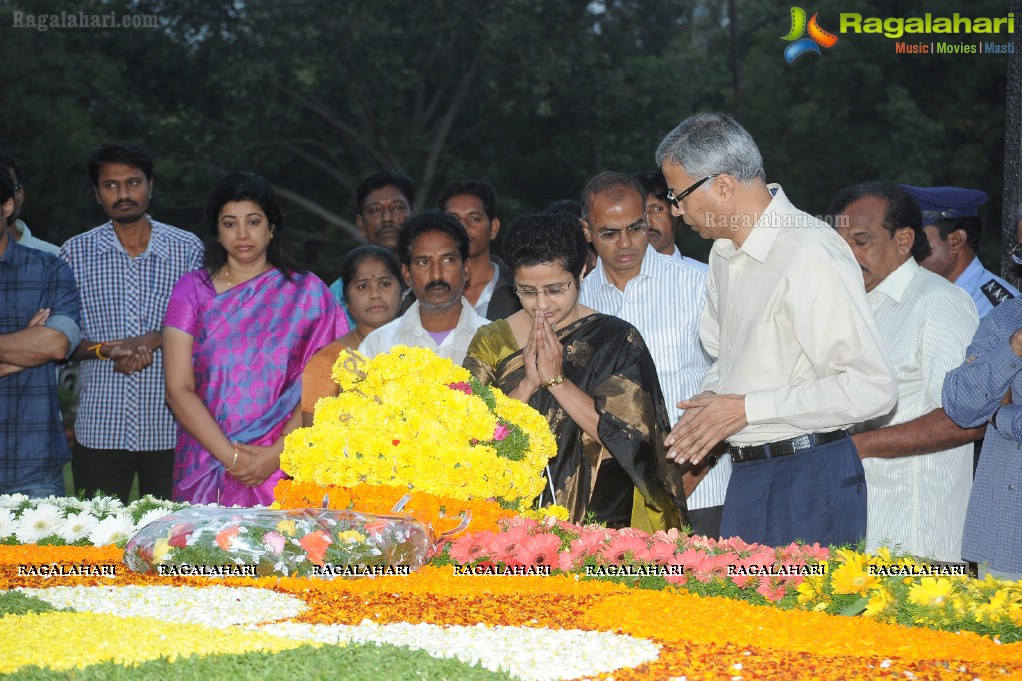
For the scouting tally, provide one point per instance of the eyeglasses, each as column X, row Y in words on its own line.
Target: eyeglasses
column 1016, row 254
column 548, row 291
column 612, row 235
column 677, row 198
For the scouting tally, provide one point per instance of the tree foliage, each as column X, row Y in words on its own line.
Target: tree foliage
column 535, row 96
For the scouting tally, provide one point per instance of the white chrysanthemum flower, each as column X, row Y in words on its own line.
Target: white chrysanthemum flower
column 70, row 504
column 8, row 523
column 12, row 501
column 103, row 506
column 112, row 530
column 150, row 516
column 38, row 523
column 77, row 526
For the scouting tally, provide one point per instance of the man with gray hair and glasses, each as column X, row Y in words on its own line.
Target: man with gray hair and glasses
column 797, row 356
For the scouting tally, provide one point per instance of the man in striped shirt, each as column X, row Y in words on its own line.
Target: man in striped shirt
column 662, row 297
column 918, row 463
column 125, row 271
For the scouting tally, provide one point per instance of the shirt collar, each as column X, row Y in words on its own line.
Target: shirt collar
column 896, row 283
column 648, row 268
column 762, row 236
column 411, row 320
column 970, row 274
column 158, row 245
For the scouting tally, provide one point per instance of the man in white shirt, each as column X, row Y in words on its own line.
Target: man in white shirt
column 798, row 357
column 918, row 463
column 433, row 247
column 661, row 297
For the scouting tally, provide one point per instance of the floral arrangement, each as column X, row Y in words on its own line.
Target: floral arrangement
column 898, row 589
column 62, row 521
column 411, row 419
column 263, row 542
column 441, row 513
column 533, row 627
column 882, row 587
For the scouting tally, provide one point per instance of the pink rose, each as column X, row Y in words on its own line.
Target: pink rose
column 275, row 542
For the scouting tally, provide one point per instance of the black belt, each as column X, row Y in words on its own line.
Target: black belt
column 784, row 447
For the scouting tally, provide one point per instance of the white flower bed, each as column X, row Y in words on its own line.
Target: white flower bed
column 542, row 654
column 66, row 520
column 212, row 606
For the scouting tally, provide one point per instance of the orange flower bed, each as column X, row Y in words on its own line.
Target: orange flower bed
column 443, row 513
column 700, row 638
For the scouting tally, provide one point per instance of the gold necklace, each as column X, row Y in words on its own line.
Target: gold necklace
column 358, row 338
column 226, row 274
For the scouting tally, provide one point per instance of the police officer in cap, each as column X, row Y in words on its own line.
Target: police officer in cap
column 954, row 231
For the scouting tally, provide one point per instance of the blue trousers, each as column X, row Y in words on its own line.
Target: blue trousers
column 814, row 495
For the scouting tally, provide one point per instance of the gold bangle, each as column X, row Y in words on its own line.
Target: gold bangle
column 235, row 462
column 97, row 348
column 556, row 380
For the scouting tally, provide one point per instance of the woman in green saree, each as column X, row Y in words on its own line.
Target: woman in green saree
column 591, row 375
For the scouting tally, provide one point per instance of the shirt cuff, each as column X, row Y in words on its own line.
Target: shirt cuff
column 760, row 408
column 67, row 326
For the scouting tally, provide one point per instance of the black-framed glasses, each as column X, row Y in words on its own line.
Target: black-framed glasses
column 548, row 291
column 677, row 198
column 1016, row 254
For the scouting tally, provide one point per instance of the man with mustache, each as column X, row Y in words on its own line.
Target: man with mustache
column 384, row 203
column 918, row 463
column 125, row 270
column 433, row 247
column 658, row 214
column 661, row 297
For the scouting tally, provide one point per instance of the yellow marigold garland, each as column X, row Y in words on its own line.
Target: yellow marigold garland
column 402, row 420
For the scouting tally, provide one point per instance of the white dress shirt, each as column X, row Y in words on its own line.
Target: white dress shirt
column 918, row 502
column 407, row 330
column 787, row 318
column 698, row 264
column 664, row 301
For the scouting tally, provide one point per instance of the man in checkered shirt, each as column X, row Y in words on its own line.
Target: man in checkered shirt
column 39, row 318
column 125, row 271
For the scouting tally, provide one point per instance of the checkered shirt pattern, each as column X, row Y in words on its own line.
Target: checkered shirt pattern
column 32, row 438
column 124, row 297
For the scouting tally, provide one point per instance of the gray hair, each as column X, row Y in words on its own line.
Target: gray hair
column 712, row 143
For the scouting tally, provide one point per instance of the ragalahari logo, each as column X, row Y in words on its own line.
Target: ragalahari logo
column 817, row 36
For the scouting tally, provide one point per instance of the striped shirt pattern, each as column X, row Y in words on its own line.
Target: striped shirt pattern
column 918, row 503
column 124, row 297
column 664, row 302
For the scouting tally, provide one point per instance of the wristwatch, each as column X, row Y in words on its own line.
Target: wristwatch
column 556, row 380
